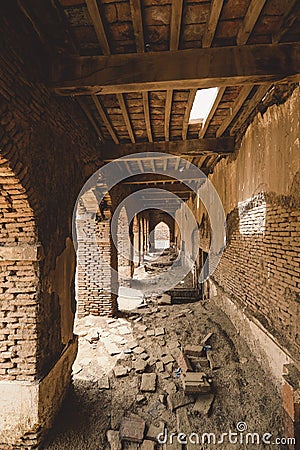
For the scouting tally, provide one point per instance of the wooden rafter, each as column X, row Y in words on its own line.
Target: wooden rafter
column 147, row 115
column 246, row 29
column 181, row 69
column 175, row 27
column 187, row 113
column 125, row 114
column 191, row 147
column 249, row 21
column 168, row 108
column 215, row 11
column 90, row 118
column 137, row 21
column 105, row 119
column 287, row 20
column 253, row 102
column 214, row 107
column 152, row 163
column 149, row 179
column 176, row 187
column 94, row 13
column 174, row 44
column 245, row 91
column 140, row 164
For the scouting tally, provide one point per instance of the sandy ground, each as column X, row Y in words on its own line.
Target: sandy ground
column 98, row 400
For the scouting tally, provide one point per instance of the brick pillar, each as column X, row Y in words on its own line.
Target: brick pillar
column 291, row 403
column 124, row 260
column 96, row 258
column 141, row 239
column 136, row 241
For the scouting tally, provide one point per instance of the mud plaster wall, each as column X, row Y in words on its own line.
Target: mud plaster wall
column 48, row 144
column 259, row 188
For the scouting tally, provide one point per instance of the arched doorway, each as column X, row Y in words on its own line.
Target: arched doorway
column 161, row 236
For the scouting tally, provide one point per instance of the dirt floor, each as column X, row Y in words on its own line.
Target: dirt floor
column 98, row 399
column 117, row 355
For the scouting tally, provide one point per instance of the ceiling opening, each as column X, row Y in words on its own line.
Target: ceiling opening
column 203, row 102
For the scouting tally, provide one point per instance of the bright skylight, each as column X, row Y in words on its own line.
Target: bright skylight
column 204, row 99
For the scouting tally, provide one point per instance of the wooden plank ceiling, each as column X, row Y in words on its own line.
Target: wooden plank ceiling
column 106, row 27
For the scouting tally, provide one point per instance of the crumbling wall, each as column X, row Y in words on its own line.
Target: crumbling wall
column 19, row 276
column 259, row 188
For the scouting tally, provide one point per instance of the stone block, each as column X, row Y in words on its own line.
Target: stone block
column 193, row 350
column 159, row 331
column 184, row 363
column 195, row 382
column 120, row 371
column 132, row 429
column 148, row 383
column 140, row 365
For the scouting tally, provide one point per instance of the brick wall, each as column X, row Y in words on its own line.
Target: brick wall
column 259, row 189
column 260, row 265
column 19, row 279
column 47, row 150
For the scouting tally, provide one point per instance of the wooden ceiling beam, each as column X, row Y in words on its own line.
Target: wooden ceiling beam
column 90, row 118
column 176, row 187
column 126, row 118
column 215, row 11
column 251, row 17
column 149, row 179
column 245, row 31
column 96, row 18
column 287, row 21
column 245, row 91
column 147, row 115
column 168, row 108
column 253, row 102
column 187, row 113
column 175, row 27
column 137, row 21
column 214, row 107
column 189, row 147
column 181, row 69
column 105, row 119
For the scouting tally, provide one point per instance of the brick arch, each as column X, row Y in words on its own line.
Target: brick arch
column 19, row 276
